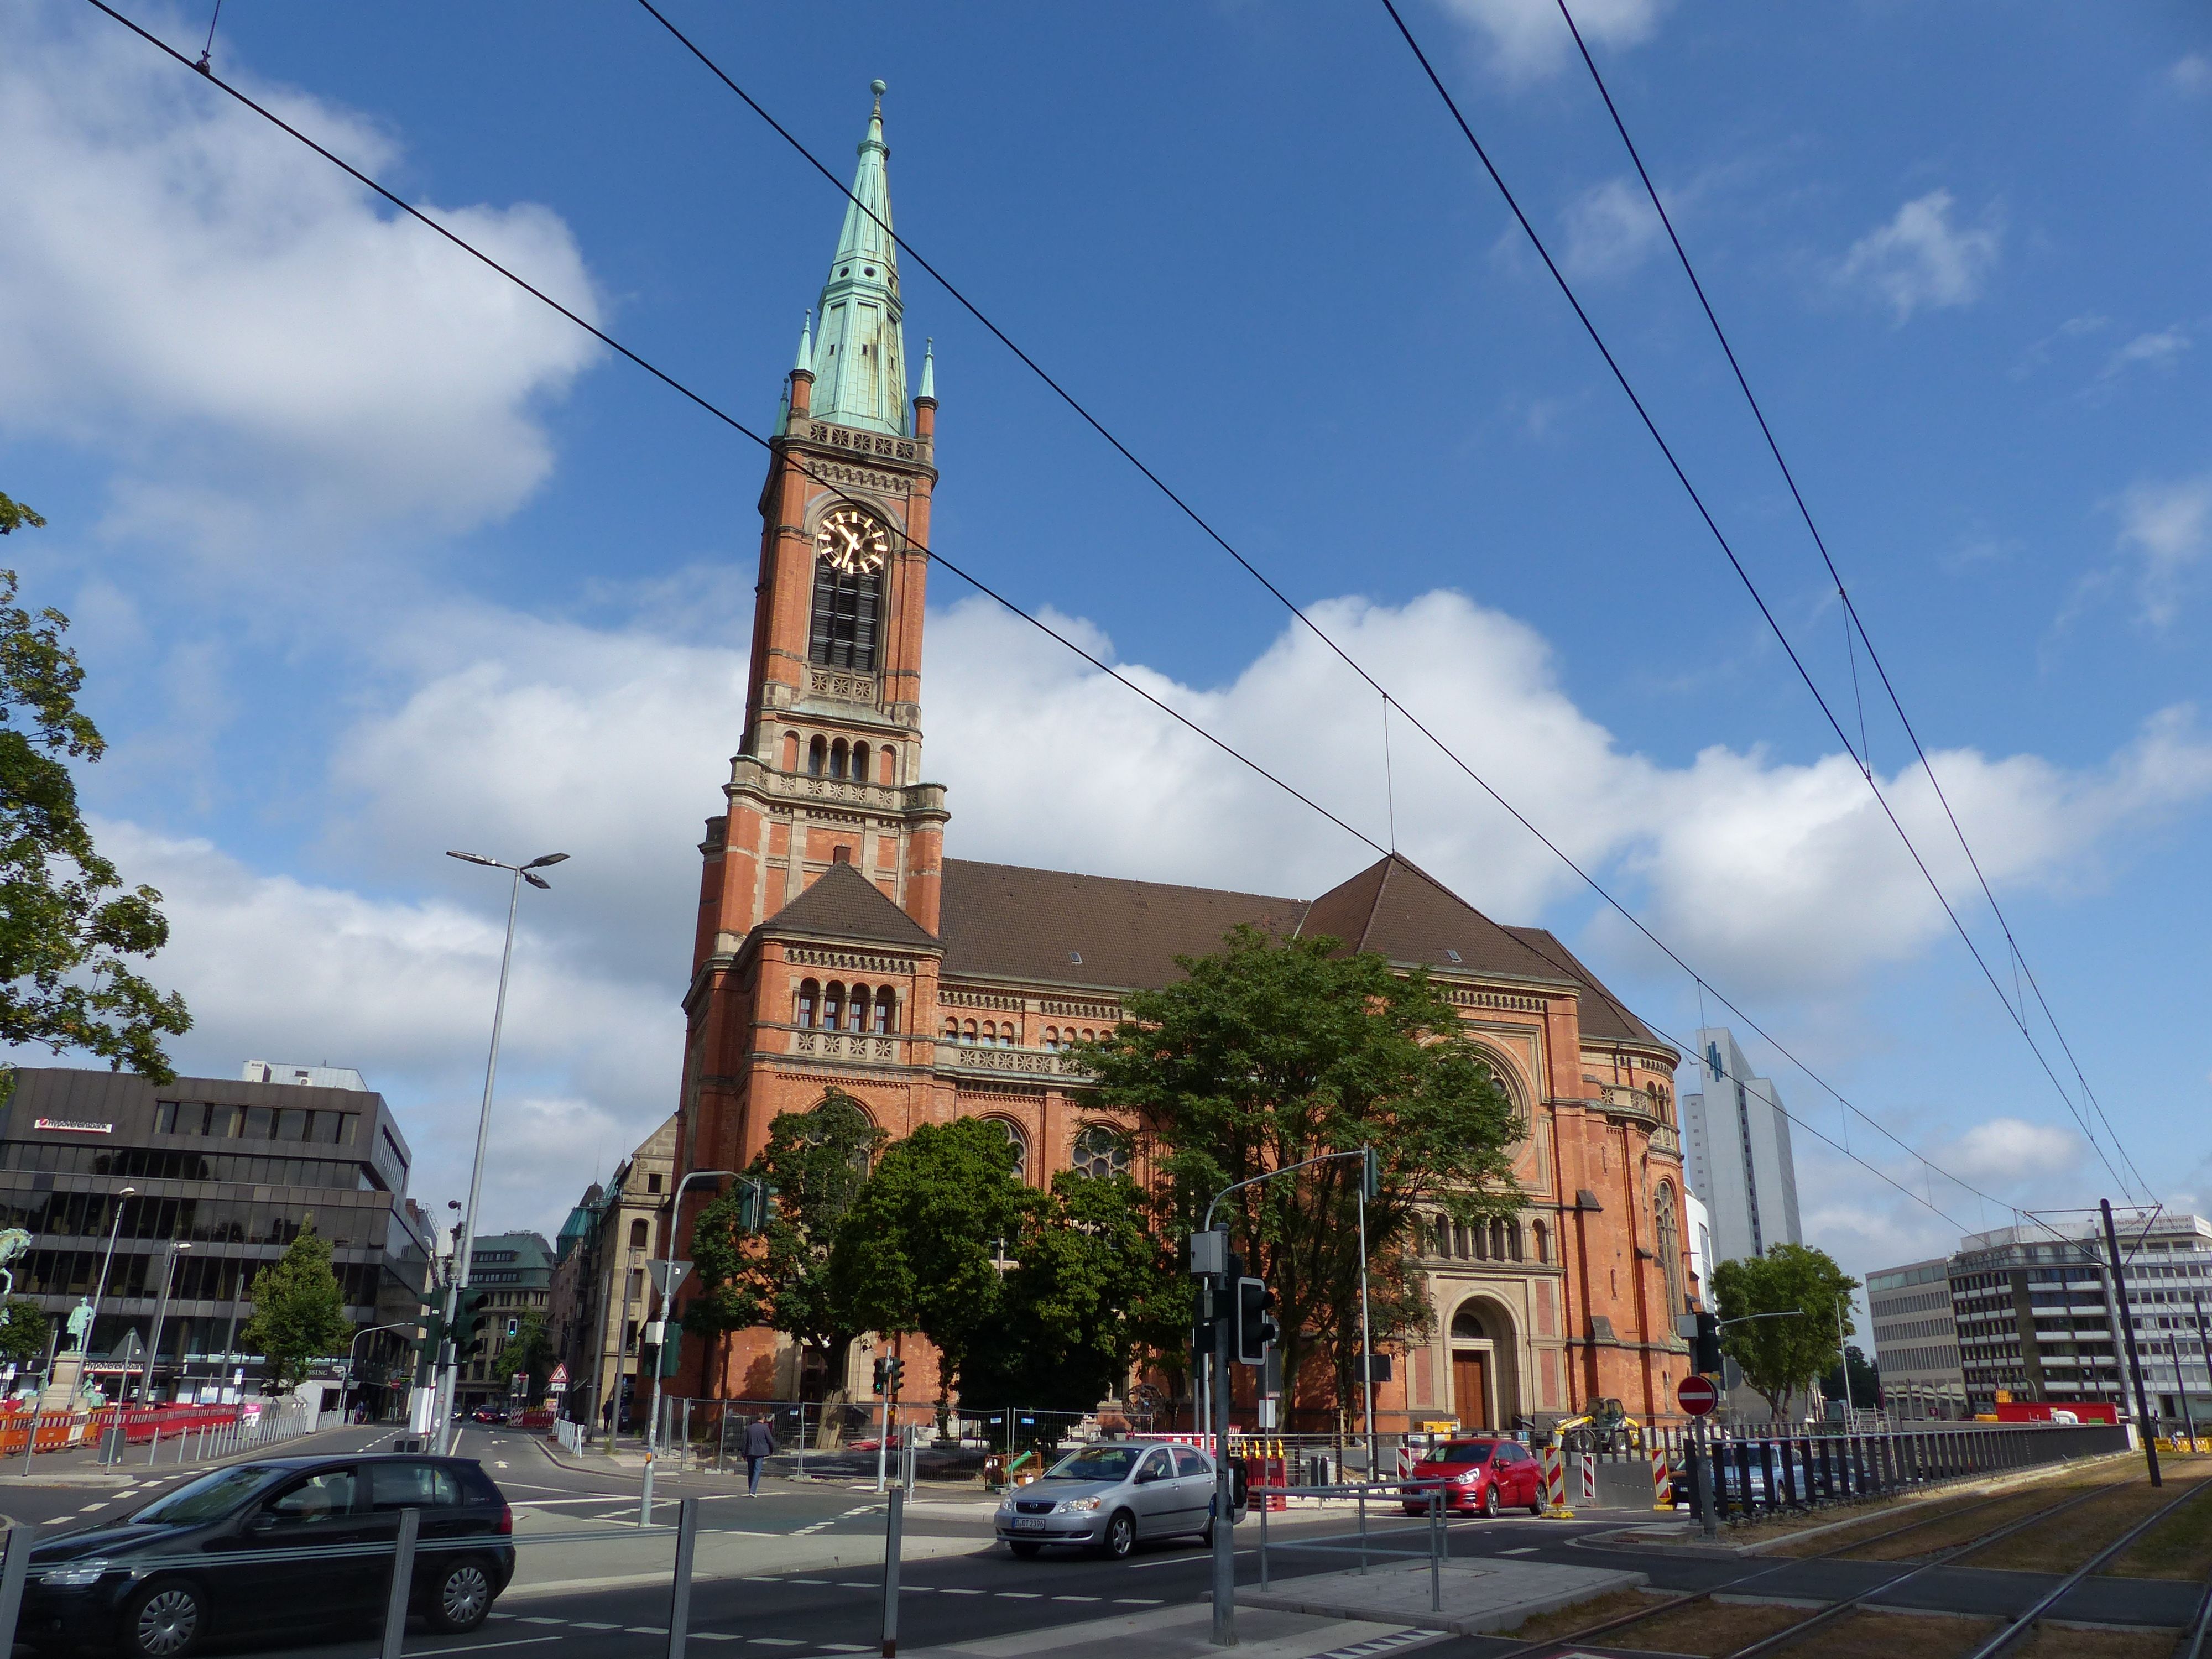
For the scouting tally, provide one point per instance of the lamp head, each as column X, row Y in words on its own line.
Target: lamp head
column 475, row 858
column 537, row 880
column 550, row 858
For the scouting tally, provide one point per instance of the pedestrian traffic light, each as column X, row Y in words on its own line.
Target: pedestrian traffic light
column 1371, row 1174
column 1256, row 1322
column 883, row 1375
column 1706, row 1354
column 894, row 1370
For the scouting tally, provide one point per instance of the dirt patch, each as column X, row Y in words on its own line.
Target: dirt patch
column 1546, row 1626
column 1705, row 1628
column 2065, row 1541
column 1904, row 1506
column 2050, row 1642
column 1964, row 1526
column 1887, row 1518
column 2180, row 1547
column 1886, row 1635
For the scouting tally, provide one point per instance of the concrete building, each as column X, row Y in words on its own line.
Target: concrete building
column 205, row 1181
column 1736, row 1152
column 2038, row 1318
column 515, row 1272
column 837, row 948
column 600, row 1296
column 1916, row 1339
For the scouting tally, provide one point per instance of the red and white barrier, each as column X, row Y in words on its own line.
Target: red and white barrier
column 1663, row 1480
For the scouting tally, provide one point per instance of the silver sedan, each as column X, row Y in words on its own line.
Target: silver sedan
column 1109, row 1495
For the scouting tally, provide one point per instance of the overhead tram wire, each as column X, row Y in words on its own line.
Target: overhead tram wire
column 1567, row 970
column 1720, row 537
column 730, row 420
column 1853, row 620
column 960, row 298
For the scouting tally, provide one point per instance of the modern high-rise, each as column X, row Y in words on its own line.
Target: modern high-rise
column 1916, row 1339
column 1735, row 1140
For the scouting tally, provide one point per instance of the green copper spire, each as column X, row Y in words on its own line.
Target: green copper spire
column 806, row 345
column 860, row 355
column 928, row 387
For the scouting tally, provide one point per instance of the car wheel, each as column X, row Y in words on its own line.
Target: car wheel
column 461, row 1598
column 1025, row 1548
column 164, row 1621
column 1489, row 1501
column 1536, row 1499
column 1120, row 1535
column 1206, row 1538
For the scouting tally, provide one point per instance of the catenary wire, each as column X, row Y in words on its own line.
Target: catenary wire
column 1650, row 426
column 1208, row 529
column 1568, row 971
column 1852, row 620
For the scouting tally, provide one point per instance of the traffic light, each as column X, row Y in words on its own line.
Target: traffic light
column 1705, row 1348
column 1256, row 1322
column 756, row 1206
column 1371, row 1174
column 894, row 1370
column 883, row 1375
column 468, row 1332
column 513, row 1324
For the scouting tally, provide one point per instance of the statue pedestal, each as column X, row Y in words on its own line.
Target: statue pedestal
column 60, row 1392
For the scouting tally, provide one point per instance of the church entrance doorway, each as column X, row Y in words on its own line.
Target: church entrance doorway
column 1471, row 1388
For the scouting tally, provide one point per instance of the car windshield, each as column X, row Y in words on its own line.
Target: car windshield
column 1476, row 1453
column 207, row 1497
column 1094, row 1463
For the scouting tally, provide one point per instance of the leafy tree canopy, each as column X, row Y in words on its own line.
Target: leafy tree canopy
column 816, row 1162
column 1865, row 1379
column 530, row 1350
column 1271, row 1052
column 22, row 1323
column 1804, row 1286
column 299, row 1310
column 69, row 928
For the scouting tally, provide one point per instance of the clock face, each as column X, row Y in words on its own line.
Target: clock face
column 852, row 542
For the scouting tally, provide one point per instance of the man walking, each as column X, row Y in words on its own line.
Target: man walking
column 760, row 1443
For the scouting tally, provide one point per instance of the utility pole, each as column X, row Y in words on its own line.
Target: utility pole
column 2144, row 1426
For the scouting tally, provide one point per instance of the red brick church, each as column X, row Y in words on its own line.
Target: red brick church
column 839, row 947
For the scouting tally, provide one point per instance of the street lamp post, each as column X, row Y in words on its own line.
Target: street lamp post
column 99, row 1290
column 354, row 1347
column 667, row 1295
column 160, row 1314
column 462, row 1246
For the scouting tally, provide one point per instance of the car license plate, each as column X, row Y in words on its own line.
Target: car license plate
column 1029, row 1524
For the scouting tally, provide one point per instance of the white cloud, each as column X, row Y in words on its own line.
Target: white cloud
column 1609, row 228
column 1921, row 259
column 2161, row 350
column 1527, row 38
column 186, row 287
column 2003, row 1151
column 2192, row 74
column 2166, row 529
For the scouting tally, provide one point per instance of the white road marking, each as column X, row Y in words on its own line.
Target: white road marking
column 715, row 1636
column 778, row 1642
column 1525, row 1549
column 1075, row 1598
column 1136, row 1601
column 585, row 1623
column 948, row 1591
column 519, row 1642
column 539, row 1619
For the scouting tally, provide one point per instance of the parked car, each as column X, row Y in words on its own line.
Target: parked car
column 492, row 1414
column 1485, row 1475
column 238, row 1553
column 1112, row 1493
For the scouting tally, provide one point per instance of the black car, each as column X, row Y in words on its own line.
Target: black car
column 282, row 1544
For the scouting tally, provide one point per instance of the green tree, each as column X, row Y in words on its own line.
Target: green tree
column 530, row 1351
column 1271, row 1052
column 299, row 1310
column 916, row 1252
column 23, row 1322
column 1808, row 1298
column 68, row 927
column 1866, row 1379
column 815, row 1162
column 1089, row 1281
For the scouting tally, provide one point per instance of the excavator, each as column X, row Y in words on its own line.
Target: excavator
column 1606, row 1426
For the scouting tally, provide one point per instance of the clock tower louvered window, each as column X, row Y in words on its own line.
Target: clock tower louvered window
column 847, row 605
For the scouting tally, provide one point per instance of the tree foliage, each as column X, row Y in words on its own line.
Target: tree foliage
column 1781, row 1355
column 815, row 1162
column 299, row 1310
column 1271, row 1052
column 530, row 1350
column 918, row 1250
column 1865, row 1379
column 23, row 1323
column 69, row 928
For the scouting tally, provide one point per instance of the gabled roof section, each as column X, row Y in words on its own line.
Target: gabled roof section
column 1604, row 1016
column 1400, row 911
column 1002, row 921
column 843, row 905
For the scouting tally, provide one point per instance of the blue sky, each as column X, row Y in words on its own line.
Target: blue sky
column 369, row 558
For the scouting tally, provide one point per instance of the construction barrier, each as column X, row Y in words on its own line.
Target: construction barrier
column 1586, row 1479
column 1406, row 1458
column 1555, row 1484
column 1663, row 1480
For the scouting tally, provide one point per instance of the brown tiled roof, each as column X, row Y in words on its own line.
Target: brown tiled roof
column 1398, row 910
column 844, row 904
column 1603, row 1015
column 1001, row 921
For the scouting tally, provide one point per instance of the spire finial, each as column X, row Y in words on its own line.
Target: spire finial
column 806, row 344
column 926, row 392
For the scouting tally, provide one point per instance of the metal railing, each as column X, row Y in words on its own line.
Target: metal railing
column 1364, row 1542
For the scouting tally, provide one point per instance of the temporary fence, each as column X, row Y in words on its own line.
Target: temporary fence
column 171, row 1434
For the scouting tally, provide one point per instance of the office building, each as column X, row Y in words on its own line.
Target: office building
column 1736, row 1154
column 1916, row 1339
column 514, row 1271
column 601, row 1296
column 203, row 1181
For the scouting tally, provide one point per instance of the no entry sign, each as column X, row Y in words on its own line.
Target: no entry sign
column 1698, row 1395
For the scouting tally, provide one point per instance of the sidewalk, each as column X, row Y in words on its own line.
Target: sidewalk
column 930, row 1496
column 1479, row 1596
column 1184, row 1632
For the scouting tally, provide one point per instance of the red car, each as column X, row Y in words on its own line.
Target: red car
column 1486, row 1475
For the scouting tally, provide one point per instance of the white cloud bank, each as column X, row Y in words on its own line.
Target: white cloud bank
column 1527, row 39
column 1609, row 229
column 2166, row 531
column 1921, row 259
column 184, row 285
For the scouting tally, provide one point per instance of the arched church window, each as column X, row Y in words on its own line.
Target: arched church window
column 990, row 1033
column 833, row 1005
column 953, row 1031
column 791, row 751
column 1016, row 1142
column 1498, row 1241
column 968, row 1032
column 1667, row 1242
column 638, row 1240
column 856, row 1017
column 1513, row 1239
column 810, row 998
column 817, row 756
column 1481, row 1242
column 1100, row 1151
column 886, row 999
column 859, row 762
column 837, row 753
column 1468, row 1327
column 1543, row 1245
column 851, row 549
column 887, row 772
column 1052, row 1037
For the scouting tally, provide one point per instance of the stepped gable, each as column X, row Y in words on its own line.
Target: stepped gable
column 844, row 905
column 1052, row 927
